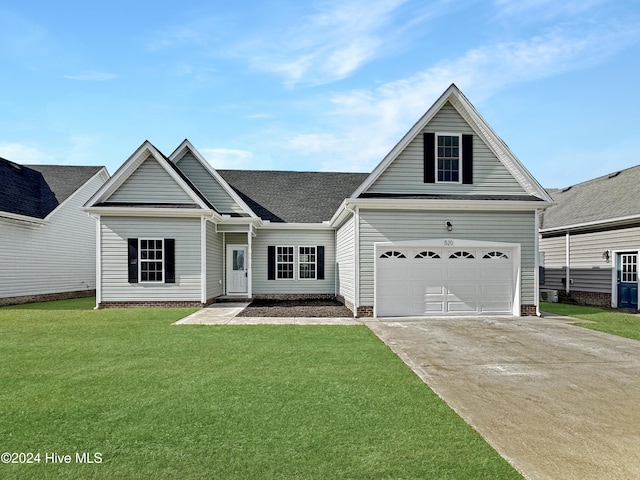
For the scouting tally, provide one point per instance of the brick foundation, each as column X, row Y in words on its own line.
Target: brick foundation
column 295, row 296
column 527, row 310
column 591, row 298
column 47, row 297
column 365, row 312
column 160, row 304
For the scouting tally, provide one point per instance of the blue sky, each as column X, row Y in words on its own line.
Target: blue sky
column 318, row 85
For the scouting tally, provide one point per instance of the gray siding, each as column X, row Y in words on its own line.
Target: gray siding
column 53, row 258
column 215, row 258
column 293, row 238
column 116, row 230
column 208, row 185
column 393, row 226
column 554, row 262
column 150, row 183
column 588, row 270
column 406, row 173
column 345, row 260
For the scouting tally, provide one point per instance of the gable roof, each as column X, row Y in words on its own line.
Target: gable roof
column 142, row 153
column 186, row 147
column 610, row 198
column 456, row 98
column 293, row 197
column 37, row 190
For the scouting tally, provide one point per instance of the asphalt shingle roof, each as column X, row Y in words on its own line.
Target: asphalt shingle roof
column 293, row 197
column 36, row 190
column 611, row 196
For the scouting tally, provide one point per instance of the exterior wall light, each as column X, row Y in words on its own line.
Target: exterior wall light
column 449, row 226
column 606, row 255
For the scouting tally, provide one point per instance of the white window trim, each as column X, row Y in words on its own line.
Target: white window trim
column 286, row 263
column 140, row 260
column 314, row 263
column 448, row 134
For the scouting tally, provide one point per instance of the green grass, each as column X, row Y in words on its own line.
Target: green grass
column 608, row 321
column 247, row 402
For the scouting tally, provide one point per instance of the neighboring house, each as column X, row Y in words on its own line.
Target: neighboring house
column 47, row 243
column 446, row 224
column 590, row 241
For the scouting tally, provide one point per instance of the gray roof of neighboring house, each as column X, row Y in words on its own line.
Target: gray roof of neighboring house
column 293, row 197
column 36, row 190
column 604, row 198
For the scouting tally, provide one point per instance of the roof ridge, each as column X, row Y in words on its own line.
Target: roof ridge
column 606, row 176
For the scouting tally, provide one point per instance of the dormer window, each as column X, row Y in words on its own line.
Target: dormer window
column 448, row 158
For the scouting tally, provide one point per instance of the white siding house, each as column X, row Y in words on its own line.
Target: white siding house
column 47, row 243
column 449, row 198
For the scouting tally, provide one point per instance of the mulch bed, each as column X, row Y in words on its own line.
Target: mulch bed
column 296, row 308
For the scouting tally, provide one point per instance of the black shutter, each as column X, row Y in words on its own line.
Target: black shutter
column 467, row 159
column 271, row 262
column 169, row 260
column 133, row 260
column 320, row 260
column 429, row 158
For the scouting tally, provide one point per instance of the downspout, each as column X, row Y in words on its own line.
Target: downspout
column 567, row 249
column 98, row 261
column 356, row 255
column 536, row 272
column 203, row 260
column 249, row 261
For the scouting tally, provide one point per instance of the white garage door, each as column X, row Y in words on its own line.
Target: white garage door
column 460, row 278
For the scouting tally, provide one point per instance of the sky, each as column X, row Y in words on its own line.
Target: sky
column 317, row 85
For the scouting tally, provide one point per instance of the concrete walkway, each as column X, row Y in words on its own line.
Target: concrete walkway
column 556, row 400
column 224, row 313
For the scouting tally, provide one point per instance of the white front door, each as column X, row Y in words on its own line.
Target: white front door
column 237, row 273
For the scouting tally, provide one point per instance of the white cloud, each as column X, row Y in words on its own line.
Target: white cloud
column 327, row 46
column 20, row 153
column 92, row 76
column 367, row 123
column 536, row 9
column 229, row 158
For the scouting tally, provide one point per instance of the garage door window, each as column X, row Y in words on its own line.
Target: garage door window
column 427, row 254
column 461, row 254
column 499, row 255
column 393, row 254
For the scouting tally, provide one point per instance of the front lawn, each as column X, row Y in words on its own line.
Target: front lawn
column 608, row 321
column 160, row 401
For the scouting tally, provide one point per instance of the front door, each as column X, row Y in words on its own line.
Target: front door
column 237, row 275
column 628, row 280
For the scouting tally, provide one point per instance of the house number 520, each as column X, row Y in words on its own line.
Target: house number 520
column 448, row 243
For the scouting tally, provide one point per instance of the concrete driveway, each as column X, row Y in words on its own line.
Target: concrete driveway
column 556, row 400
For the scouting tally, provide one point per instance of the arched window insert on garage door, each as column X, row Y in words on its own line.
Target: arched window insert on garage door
column 392, row 254
column 427, row 254
column 461, row 254
column 496, row 255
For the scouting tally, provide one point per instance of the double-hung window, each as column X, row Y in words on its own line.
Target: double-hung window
column 151, row 260
column 307, row 260
column 448, row 158
column 284, row 262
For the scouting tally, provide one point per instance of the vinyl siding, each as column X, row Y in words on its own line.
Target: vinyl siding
column 554, row 262
column 588, row 270
column 208, row 185
column 293, row 238
column 393, row 226
column 114, row 234
column 150, row 183
column 345, row 260
column 215, row 258
column 406, row 173
column 53, row 258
